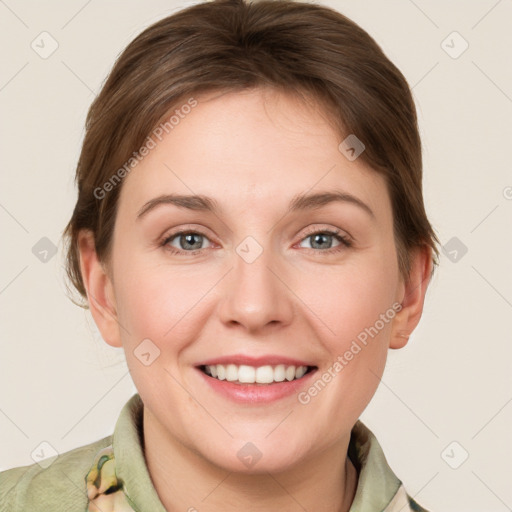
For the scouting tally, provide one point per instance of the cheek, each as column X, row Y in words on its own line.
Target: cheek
column 350, row 299
column 354, row 316
column 161, row 303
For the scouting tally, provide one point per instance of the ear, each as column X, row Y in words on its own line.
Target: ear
column 412, row 297
column 100, row 291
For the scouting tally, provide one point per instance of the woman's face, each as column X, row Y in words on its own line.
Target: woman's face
column 261, row 278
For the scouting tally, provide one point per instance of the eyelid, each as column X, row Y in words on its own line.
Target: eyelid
column 187, row 228
column 311, row 230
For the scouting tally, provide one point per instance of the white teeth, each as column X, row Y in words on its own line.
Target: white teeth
column 290, row 373
column 246, row 374
column 279, row 373
column 264, row 375
column 231, row 372
column 221, row 371
column 250, row 374
column 300, row 371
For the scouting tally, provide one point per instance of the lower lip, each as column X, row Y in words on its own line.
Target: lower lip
column 257, row 393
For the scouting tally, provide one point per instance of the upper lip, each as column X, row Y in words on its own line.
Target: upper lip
column 268, row 360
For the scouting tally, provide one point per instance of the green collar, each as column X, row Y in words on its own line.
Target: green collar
column 119, row 481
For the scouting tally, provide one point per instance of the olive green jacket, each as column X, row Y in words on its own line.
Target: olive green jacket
column 110, row 475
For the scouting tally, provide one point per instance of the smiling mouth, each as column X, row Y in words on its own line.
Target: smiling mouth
column 264, row 375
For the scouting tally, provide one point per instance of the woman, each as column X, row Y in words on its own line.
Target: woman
column 250, row 228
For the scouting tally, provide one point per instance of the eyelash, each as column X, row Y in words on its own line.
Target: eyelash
column 345, row 242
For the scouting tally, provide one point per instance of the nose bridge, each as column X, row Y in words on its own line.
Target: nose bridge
column 255, row 296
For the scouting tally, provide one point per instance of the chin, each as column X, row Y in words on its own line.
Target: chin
column 253, row 458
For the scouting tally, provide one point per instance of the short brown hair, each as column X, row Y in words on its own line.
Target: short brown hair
column 231, row 45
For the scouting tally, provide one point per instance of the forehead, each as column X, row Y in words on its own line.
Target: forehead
column 248, row 148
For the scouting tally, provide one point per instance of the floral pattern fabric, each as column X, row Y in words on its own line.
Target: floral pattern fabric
column 104, row 490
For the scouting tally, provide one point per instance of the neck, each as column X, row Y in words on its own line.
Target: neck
column 184, row 480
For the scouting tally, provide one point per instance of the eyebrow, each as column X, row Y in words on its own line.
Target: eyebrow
column 300, row 202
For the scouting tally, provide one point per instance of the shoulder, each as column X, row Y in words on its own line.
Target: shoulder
column 378, row 487
column 57, row 487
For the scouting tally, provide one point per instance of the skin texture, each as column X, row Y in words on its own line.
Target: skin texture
column 294, row 300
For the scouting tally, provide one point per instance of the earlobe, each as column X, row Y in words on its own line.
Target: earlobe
column 100, row 292
column 413, row 297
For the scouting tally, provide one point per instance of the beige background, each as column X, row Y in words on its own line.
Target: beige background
column 60, row 383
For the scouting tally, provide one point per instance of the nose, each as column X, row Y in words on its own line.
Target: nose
column 255, row 294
